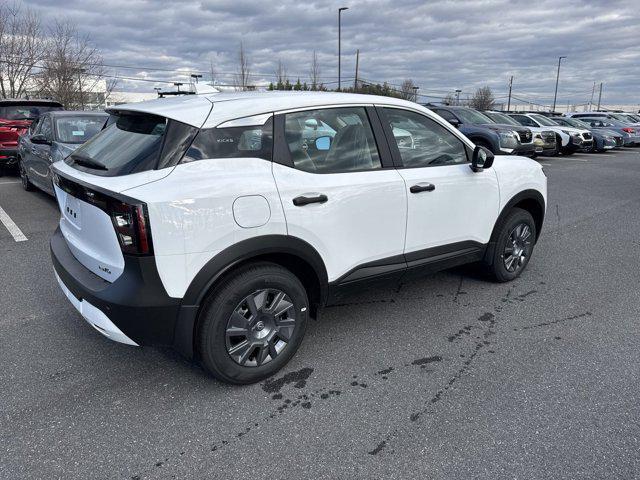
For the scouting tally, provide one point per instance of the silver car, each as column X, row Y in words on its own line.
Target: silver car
column 630, row 133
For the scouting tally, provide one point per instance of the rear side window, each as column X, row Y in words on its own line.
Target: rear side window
column 233, row 142
column 331, row 140
column 133, row 143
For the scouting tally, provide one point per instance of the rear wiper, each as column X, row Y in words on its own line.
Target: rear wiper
column 87, row 162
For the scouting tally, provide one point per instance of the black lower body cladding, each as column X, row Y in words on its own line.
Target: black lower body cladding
column 136, row 302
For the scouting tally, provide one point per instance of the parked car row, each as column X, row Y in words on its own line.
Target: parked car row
column 36, row 133
column 537, row 134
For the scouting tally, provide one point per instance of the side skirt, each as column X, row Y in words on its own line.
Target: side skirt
column 405, row 267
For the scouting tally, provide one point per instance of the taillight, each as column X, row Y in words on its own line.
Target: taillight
column 132, row 227
column 129, row 217
column 629, row 130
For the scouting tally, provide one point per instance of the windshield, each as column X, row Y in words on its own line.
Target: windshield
column 472, row 116
column 78, row 129
column 501, row 118
column 134, row 143
column 542, row 120
column 25, row 112
column 623, row 117
column 574, row 122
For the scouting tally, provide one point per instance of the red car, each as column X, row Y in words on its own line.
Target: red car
column 16, row 117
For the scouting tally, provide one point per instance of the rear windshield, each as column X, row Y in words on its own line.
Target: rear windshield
column 133, row 143
column 25, row 112
column 78, row 129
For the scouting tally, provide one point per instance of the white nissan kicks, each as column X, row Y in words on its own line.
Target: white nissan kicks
column 219, row 224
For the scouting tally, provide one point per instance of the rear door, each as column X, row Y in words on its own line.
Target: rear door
column 340, row 191
column 451, row 209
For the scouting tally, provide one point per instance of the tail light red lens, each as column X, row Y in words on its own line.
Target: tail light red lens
column 132, row 227
column 129, row 217
column 629, row 130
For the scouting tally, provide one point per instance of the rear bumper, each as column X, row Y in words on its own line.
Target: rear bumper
column 135, row 309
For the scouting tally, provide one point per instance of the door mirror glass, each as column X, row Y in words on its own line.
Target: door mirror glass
column 482, row 158
column 323, row 143
column 40, row 139
column 454, row 121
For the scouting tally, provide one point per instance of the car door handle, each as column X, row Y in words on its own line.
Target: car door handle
column 422, row 187
column 309, row 198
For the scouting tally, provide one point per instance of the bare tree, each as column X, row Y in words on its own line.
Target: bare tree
column 314, row 72
column 21, row 48
column 408, row 90
column 72, row 69
column 483, row 99
column 281, row 75
column 242, row 76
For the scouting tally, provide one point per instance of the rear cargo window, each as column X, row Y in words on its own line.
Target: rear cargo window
column 133, row 143
column 233, row 142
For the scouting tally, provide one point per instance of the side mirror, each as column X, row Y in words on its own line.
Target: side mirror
column 482, row 158
column 455, row 122
column 40, row 139
column 323, row 143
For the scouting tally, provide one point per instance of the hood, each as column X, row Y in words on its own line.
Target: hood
column 608, row 133
column 500, row 127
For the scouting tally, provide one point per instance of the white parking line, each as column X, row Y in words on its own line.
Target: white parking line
column 14, row 230
column 10, row 182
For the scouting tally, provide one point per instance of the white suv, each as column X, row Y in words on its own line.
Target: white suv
column 219, row 224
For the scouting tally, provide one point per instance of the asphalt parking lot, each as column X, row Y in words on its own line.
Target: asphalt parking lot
column 449, row 377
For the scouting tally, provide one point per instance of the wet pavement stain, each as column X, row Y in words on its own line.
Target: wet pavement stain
column 426, row 360
column 554, row 322
column 299, row 379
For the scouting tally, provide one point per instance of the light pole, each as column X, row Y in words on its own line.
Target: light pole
column 555, row 95
column 339, row 35
column 458, row 91
column 415, row 93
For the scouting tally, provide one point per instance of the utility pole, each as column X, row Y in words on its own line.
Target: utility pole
column 509, row 102
column 339, row 40
column 415, row 93
column 593, row 91
column 458, row 96
column 599, row 96
column 557, row 78
column 355, row 82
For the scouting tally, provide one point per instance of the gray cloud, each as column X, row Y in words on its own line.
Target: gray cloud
column 440, row 45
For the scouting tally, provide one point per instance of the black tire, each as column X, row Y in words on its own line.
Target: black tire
column 24, row 177
column 558, row 146
column 503, row 236
column 215, row 347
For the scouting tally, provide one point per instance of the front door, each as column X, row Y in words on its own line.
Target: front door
column 451, row 209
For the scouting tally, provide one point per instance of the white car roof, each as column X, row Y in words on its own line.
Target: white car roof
column 210, row 110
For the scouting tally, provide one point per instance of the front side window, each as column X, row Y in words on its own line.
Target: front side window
column 78, row 129
column 331, row 140
column 232, row 142
column 423, row 142
column 45, row 128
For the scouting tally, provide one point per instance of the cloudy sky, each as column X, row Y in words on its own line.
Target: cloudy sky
column 441, row 45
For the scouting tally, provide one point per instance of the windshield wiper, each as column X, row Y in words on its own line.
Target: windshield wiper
column 87, row 162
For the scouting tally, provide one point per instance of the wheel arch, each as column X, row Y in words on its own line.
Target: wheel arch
column 530, row 200
column 292, row 253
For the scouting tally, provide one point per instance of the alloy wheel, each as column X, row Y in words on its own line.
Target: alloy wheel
column 517, row 248
column 260, row 327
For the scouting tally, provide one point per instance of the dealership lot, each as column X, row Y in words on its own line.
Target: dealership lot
column 448, row 377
